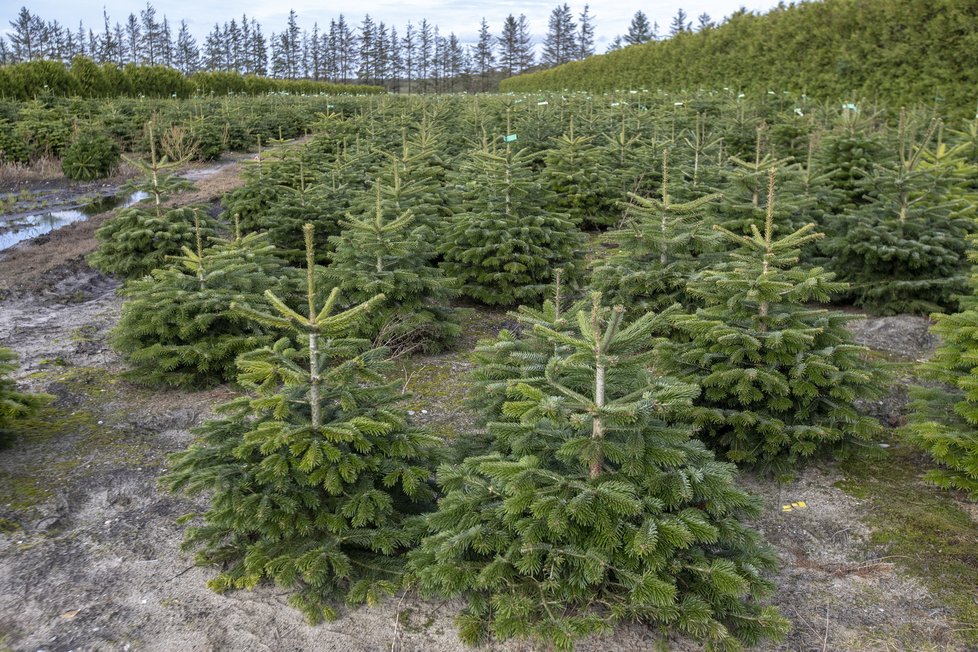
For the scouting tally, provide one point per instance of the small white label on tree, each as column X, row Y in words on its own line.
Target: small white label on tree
column 510, row 138
column 544, row 103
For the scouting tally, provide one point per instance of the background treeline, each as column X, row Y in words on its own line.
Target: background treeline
column 891, row 51
column 418, row 58
column 84, row 78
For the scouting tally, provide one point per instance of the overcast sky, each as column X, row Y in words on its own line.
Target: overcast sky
column 461, row 17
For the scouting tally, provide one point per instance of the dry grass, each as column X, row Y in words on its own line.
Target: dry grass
column 43, row 169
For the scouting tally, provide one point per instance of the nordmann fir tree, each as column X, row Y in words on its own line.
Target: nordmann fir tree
column 503, row 246
column 382, row 253
column 660, row 247
column 519, row 353
column 779, row 377
column 313, row 475
column 298, row 203
column 138, row 239
column 177, row 326
column 602, row 509
column 14, row 404
column 906, row 249
column 743, row 189
column 581, row 186
column 944, row 419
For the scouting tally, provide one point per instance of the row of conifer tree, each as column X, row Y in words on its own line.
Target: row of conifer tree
column 675, row 319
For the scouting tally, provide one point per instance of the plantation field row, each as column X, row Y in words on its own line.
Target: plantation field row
column 675, row 262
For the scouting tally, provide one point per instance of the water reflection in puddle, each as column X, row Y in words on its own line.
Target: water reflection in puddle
column 26, row 227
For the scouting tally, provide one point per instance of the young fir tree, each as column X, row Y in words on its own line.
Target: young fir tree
column 743, row 190
column 518, row 353
column 308, row 201
column 944, row 418
column 660, row 247
column 602, row 509
column 628, row 157
column 14, row 404
column 779, row 377
column 383, row 254
column 580, row 185
column 503, row 246
column 138, row 239
column 177, row 327
column 311, row 477
column 906, row 249
column 816, row 200
column 412, row 180
column 849, row 152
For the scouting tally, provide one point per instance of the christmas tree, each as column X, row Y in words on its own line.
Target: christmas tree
column 600, row 510
column 580, row 185
column 779, row 377
column 312, row 476
column 906, row 249
column 744, row 187
column 660, row 247
column 138, row 239
column 628, row 157
column 14, row 404
column 301, row 199
column 383, row 254
column 503, row 246
column 944, row 418
column 519, row 353
column 177, row 326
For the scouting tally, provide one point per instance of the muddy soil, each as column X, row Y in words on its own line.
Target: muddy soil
column 90, row 553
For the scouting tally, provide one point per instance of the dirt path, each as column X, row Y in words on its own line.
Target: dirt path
column 89, row 545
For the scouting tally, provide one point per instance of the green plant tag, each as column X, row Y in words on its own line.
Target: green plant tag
column 511, row 138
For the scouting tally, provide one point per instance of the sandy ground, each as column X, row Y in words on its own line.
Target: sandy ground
column 90, row 557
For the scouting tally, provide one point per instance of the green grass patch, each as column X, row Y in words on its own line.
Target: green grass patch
column 922, row 529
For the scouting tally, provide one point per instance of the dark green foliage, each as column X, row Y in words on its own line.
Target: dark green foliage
column 177, row 327
column 139, row 239
column 89, row 157
column 744, row 188
column 313, row 474
column 600, row 510
column 944, row 415
column 14, row 404
column 849, row 152
column 503, row 245
column 660, row 248
column 84, row 79
column 779, row 377
column 828, row 50
column 905, row 250
column 295, row 206
column 382, row 253
column 580, row 185
column 518, row 353
column 944, row 418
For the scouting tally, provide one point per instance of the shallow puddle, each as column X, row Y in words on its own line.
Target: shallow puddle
column 18, row 228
